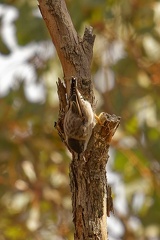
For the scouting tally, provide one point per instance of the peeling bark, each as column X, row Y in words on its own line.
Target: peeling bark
column 91, row 196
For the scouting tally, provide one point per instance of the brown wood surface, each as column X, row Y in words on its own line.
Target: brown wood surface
column 88, row 174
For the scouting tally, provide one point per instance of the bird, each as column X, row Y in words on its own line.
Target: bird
column 79, row 120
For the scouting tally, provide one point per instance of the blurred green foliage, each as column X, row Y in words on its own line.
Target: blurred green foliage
column 35, row 201
column 30, row 34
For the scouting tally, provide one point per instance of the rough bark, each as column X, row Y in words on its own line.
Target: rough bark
column 74, row 53
column 90, row 194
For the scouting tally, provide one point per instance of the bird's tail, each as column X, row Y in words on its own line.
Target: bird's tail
column 73, row 89
column 75, row 98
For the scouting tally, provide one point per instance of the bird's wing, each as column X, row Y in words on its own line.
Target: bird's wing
column 76, row 107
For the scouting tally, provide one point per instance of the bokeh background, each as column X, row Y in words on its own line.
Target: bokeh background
column 35, row 200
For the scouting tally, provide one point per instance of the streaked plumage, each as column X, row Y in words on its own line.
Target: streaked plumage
column 78, row 121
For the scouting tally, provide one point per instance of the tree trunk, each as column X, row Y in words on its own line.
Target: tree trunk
column 91, row 198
